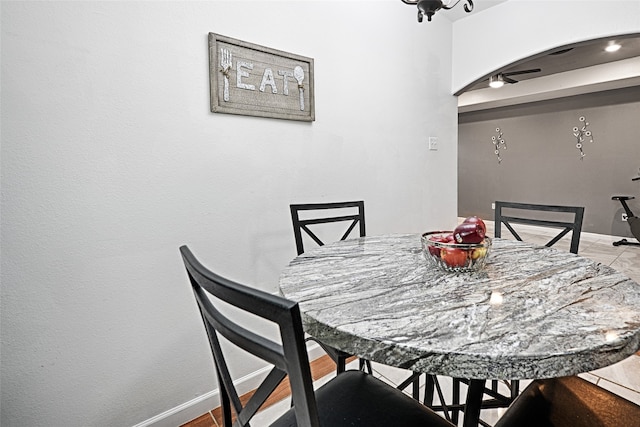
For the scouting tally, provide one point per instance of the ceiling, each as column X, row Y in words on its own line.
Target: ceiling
column 458, row 11
column 559, row 60
column 574, row 69
column 568, row 58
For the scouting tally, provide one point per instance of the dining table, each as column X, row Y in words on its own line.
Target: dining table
column 532, row 312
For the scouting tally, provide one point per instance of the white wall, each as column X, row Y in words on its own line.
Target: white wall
column 518, row 29
column 111, row 160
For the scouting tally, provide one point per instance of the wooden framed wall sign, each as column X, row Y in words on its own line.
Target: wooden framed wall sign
column 254, row 80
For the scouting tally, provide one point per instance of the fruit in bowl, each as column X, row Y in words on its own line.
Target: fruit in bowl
column 464, row 249
column 468, row 232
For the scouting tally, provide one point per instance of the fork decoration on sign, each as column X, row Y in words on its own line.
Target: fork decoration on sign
column 581, row 134
column 226, row 62
column 498, row 143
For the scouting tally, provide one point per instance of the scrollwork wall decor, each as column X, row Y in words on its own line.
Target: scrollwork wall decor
column 581, row 134
column 498, row 144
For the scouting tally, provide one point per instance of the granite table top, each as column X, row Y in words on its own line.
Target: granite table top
column 532, row 312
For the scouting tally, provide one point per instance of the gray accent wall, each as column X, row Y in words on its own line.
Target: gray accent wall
column 542, row 164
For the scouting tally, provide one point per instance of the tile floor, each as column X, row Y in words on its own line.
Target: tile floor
column 622, row 378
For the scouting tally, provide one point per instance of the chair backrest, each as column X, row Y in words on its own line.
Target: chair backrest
column 300, row 224
column 574, row 226
column 288, row 357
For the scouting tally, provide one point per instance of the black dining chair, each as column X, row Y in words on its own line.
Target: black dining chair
column 566, row 219
column 509, row 213
column 352, row 398
column 350, row 213
column 569, row 402
column 334, row 213
column 307, row 220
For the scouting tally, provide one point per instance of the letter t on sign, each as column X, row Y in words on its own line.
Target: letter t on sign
column 285, row 76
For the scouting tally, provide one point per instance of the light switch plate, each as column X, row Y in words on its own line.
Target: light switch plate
column 433, row 143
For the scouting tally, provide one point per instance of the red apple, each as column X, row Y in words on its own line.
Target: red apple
column 435, row 250
column 454, row 257
column 477, row 220
column 468, row 232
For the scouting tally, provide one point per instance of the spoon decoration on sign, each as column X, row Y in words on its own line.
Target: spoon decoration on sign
column 298, row 74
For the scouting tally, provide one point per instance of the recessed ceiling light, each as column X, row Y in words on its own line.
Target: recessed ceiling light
column 612, row 47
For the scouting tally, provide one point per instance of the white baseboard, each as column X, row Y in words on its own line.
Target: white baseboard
column 533, row 229
column 202, row 404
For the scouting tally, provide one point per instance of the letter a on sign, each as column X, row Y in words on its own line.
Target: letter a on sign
column 267, row 79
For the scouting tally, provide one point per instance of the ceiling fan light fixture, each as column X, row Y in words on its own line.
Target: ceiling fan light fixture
column 612, row 47
column 496, row 81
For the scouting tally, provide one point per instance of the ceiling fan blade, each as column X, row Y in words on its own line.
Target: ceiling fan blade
column 508, row 80
column 563, row 51
column 515, row 73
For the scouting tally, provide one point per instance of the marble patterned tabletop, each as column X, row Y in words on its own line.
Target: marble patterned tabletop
column 533, row 312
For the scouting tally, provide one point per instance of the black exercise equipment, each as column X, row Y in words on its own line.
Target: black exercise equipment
column 632, row 220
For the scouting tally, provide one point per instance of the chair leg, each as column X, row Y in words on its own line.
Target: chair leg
column 515, row 389
column 455, row 412
column 414, row 380
column 416, row 388
column 341, row 362
column 340, row 358
column 365, row 366
column 448, row 410
column 227, row 419
column 428, row 390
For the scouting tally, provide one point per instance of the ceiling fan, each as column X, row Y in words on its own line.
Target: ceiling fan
column 497, row 80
